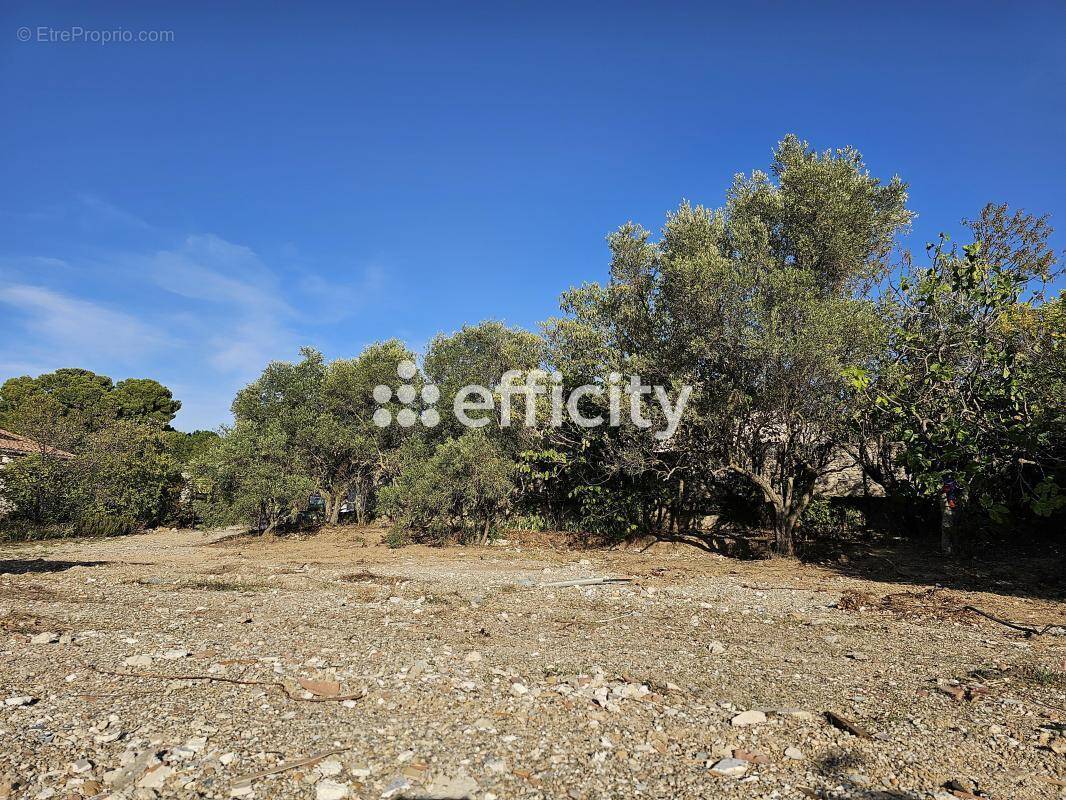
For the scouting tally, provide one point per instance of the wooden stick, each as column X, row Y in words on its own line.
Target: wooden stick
column 244, row 780
column 237, row 681
column 846, row 724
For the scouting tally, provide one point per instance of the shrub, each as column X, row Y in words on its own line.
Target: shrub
column 461, row 492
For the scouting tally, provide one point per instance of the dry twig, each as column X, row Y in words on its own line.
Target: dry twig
column 281, row 687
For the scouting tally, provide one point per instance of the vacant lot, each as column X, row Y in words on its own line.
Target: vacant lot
column 181, row 664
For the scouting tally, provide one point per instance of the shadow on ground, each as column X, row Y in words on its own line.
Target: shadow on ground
column 1034, row 570
column 20, row 566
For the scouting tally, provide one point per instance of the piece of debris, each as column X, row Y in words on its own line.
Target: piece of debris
column 48, row 637
column 794, row 754
column 845, row 724
column 320, row 688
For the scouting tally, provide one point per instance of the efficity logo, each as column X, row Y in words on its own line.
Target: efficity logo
column 630, row 400
column 406, row 394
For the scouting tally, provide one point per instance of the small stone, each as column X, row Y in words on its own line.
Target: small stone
column 241, row 790
column 496, row 765
column 48, row 637
column 730, row 767
column 857, row 655
column 227, row 758
column 519, row 689
column 794, row 753
column 397, row 785
column 472, row 657
column 25, row 700
column 174, row 655
column 138, row 661
column 748, row 718
column 451, row 787
column 80, row 766
column 330, row 790
column 329, row 768
column 416, row 669
column 716, row 647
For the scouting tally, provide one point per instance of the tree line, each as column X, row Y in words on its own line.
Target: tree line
column 810, row 339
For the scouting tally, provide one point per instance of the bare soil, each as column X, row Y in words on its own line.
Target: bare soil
column 185, row 664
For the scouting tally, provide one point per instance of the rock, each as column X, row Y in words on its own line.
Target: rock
column 155, row 778
column 496, row 765
column 227, row 758
column 450, row 787
column 48, row 637
column 716, row 647
column 330, row 790
column 794, row 753
column 119, row 779
column 730, row 767
column 241, row 790
column 82, row 765
column 397, row 785
column 519, row 689
column 857, row 655
column 416, row 669
column 329, row 768
column 138, row 661
column 472, row 657
column 748, row 718
column 174, row 655
column 24, row 700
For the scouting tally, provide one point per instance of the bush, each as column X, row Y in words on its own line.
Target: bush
column 461, row 492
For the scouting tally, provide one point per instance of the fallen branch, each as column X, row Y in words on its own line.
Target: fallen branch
column 244, row 780
column 582, row 582
column 1027, row 630
column 573, row 622
column 281, row 687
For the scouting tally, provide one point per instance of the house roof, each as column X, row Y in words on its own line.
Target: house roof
column 13, row 443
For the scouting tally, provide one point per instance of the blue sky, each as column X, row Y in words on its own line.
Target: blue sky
column 332, row 174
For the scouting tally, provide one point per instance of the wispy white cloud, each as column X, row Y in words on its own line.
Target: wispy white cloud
column 99, row 210
column 75, row 329
column 242, row 300
column 204, row 316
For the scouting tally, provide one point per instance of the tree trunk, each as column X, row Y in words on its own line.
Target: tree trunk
column 948, row 522
column 335, row 511
column 785, row 539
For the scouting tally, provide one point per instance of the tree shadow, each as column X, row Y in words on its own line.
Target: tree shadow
column 21, row 566
column 1037, row 571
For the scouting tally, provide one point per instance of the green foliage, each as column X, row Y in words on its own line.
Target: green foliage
column 122, row 478
column 459, row 491
column 64, row 407
column 754, row 305
column 971, row 383
column 252, row 476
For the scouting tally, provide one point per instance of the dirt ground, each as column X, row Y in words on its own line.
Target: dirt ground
column 185, row 664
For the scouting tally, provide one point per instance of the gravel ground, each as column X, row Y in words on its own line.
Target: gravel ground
column 345, row 669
